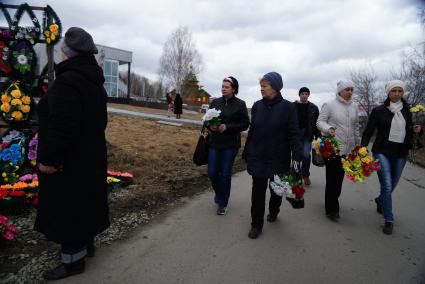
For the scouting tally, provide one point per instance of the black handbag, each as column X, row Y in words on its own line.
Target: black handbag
column 317, row 159
column 200, row 156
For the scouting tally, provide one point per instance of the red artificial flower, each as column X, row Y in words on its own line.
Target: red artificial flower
column 44, row 88
column 18, row 193
column 298, row 191
column 1, row 44
column 329, row 145
column 326, row 155
column 356, row 148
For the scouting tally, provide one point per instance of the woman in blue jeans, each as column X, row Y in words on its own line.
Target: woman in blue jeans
column 392, row 143
column 225, row 141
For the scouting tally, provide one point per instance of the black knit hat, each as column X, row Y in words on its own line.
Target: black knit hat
column 233, row 82
column 303, row 89
column 79, row 40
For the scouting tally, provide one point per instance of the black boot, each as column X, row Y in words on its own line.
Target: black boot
column 65, row 270
column 91, row 250
column 254, row 233
column 378, row 206
column 271, row 218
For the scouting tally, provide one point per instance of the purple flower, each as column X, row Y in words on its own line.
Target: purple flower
column 32, row 155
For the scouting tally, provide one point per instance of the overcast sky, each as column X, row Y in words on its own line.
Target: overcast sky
column 310, row 43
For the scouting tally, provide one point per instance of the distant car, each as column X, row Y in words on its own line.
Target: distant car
column 205, row 108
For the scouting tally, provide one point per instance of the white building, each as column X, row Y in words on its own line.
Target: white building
column 109, row 58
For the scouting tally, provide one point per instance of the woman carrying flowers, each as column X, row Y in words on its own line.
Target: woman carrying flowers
column 225, row 140
column 395, row 130
column 273, row 139
column 339, row 119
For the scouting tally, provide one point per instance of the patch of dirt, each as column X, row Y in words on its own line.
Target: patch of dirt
column 159, row 156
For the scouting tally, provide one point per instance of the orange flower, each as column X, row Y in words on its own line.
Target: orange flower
column 17, row 115
column 25, row 108
column 16, row 102
column 16, row 93
column 5, row 99
column 26, row 100
column 54, row 28
column 5, row 107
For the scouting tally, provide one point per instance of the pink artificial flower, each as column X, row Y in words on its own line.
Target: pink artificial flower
column 8, row 236
column 12, row 229
column 3, row 220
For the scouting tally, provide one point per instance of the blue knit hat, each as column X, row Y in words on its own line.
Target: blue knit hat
column 275, row 80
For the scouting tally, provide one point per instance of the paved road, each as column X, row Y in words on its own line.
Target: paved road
column 193, row 245
column 153, row 116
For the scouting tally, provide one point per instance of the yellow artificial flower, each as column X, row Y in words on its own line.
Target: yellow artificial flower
column 53, row 37
column 25, row 108
column 17, row 115
column 16, row 102
column 363, row 151
column 417, row 108
column 4, row 174
column 26, row 100
column 346, row 164
column 16, row 94
column 366, row 160
column 48, row 40
column 5, row 107
column 5, row 99
column 54, row 28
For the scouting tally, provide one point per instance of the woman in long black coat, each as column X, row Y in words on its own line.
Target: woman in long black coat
column 178, row 106
column 273, row 139
column 72, row 161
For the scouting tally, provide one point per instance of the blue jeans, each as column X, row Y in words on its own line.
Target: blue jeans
column 305, row 168
column 220, row 164
column 389, row 175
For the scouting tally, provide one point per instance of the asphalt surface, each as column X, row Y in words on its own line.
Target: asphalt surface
column 194, row 245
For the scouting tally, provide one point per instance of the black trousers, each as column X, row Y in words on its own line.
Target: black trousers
column 258, row 200
column 74, row 251
column 334, row 179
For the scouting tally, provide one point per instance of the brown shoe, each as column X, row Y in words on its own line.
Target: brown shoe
column 307, row 181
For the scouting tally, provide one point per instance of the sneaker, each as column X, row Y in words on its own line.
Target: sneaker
column 378, row 206
column 65, row 270
column 271, row 218
column 307, row 181
column 254, row 233
column 388, row 228
column 221, row 210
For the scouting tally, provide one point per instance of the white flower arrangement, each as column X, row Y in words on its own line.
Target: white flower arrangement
column 281, row 188
column 211, row 118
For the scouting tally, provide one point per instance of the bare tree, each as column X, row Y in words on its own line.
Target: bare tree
column 365, row 90
column 142, row 87
column 178, row 56
column 412, row 71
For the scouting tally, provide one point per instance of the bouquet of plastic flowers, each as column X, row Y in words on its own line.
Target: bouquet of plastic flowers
column 8, row 232
column 211, row 118
column 291, row 186
column 416, row 110
column 326, row 146
column 359, row 164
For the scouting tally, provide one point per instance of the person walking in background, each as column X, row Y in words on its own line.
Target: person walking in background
column 72, row 157
column 395, row 130
column 272, row 137
column 170, row 107
column 338, row 118
column 225, row 140
column 178, row 106
column 307, row 119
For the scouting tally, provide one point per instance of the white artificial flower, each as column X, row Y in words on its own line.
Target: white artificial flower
column 210, row 114
column 22, row 59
